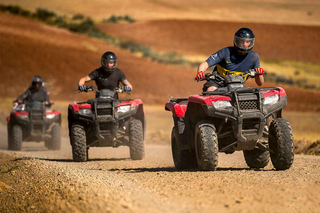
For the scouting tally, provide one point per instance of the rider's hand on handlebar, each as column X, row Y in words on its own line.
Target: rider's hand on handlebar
column 200, row 76
column 127, row 88
column 259, row 71
column 82, row 88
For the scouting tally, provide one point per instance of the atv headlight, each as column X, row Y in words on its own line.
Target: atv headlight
column 271, row 100
column 24, row 116
column 221, row 104
column 50, row 116
column 124, row 108
column 85, row 111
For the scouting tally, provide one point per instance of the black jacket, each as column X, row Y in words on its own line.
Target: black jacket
column 32, row 94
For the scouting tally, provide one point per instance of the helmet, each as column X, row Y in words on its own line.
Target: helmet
column 244, row 40
column 106, row 58
column 36, row 80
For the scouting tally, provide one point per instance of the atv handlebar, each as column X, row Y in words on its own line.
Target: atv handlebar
column 119, row 89
column 214, row 75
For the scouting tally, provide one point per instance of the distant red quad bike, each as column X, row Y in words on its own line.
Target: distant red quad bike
column 105, row 121
column 34, row 121
column 229, row 119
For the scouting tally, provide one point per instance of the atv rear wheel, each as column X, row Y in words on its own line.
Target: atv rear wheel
column 55, row 142
column 16, row 138
column 183, row 159
column 206, row 145
column 256, row 158
column 136, row 140
column 281, row 144
column 78, row 142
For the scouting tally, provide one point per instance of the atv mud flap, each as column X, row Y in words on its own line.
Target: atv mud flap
column 179, row 124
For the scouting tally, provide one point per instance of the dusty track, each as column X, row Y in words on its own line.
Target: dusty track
column 48, row 181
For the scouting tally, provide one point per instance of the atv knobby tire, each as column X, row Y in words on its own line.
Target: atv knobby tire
column 55, row 142
column 281, row 144
column 183, row 159
column 78, row 142
column 206, row 145
column 136, row 140
column 16, row 138
column 256, row 158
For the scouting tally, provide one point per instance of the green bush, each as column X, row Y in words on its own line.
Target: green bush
column 44, row 15
column 78, row 16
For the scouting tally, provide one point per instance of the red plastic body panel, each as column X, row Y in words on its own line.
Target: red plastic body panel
column 207, row 99
column 177, row 109
column 132, row 103
column 267, row 93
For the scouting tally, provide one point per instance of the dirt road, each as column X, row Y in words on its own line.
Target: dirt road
column 38, row 180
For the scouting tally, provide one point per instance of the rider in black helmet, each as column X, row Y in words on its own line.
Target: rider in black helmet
column 35, row 92
column 108, row 76
column 233, row 60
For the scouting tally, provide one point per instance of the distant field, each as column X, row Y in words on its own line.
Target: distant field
column 263, row 11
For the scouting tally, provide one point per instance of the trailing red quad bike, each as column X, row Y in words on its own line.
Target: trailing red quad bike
column 105, row 121
column 34, row 121
column 229, row 119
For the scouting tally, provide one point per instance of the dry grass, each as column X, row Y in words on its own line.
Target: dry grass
column 265, row 11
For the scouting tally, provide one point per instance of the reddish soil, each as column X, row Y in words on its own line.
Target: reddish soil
column 192, row 37
column 30, row 47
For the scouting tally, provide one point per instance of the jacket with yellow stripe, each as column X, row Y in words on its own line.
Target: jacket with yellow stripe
column 229, row 61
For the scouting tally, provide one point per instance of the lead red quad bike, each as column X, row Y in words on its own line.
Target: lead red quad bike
column 34, row 121
column 230, row 119
column 106, row 121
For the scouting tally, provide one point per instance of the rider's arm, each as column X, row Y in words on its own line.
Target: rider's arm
column 203, row 67
column 259, row 80
column 127, row 83
column 23, row 96
column 84, row 80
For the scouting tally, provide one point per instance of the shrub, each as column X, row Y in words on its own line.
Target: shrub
column 44, row 14
column 78, row 16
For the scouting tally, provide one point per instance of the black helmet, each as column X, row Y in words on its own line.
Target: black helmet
column 106, row 58
column 244, row 40
column 37, row 79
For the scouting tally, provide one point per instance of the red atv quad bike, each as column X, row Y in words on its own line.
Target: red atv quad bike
column 34, row 121
column 106, row 121
column 231, row 118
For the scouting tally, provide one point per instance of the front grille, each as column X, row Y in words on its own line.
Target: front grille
column 37, row 128
column 104, row 111
column 36, row 117
column 249, row 105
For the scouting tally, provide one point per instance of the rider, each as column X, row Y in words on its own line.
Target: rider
column 107, row 76
column 233, row 60
column 35, row 92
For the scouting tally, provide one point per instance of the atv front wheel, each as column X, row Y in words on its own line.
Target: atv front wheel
column 79, row 143
column 16, row 138
column 206, row 146
column 256, row 158
column 183, row 159
column 136, row 140
column 281, row 144
column 55, row 142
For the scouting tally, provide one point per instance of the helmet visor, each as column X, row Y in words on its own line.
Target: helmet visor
column 244, row 43
column 105, row 63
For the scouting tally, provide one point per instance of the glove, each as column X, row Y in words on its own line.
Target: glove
column 127, row 88
column 82, row 88
column 259, row 71
column 200, row 76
